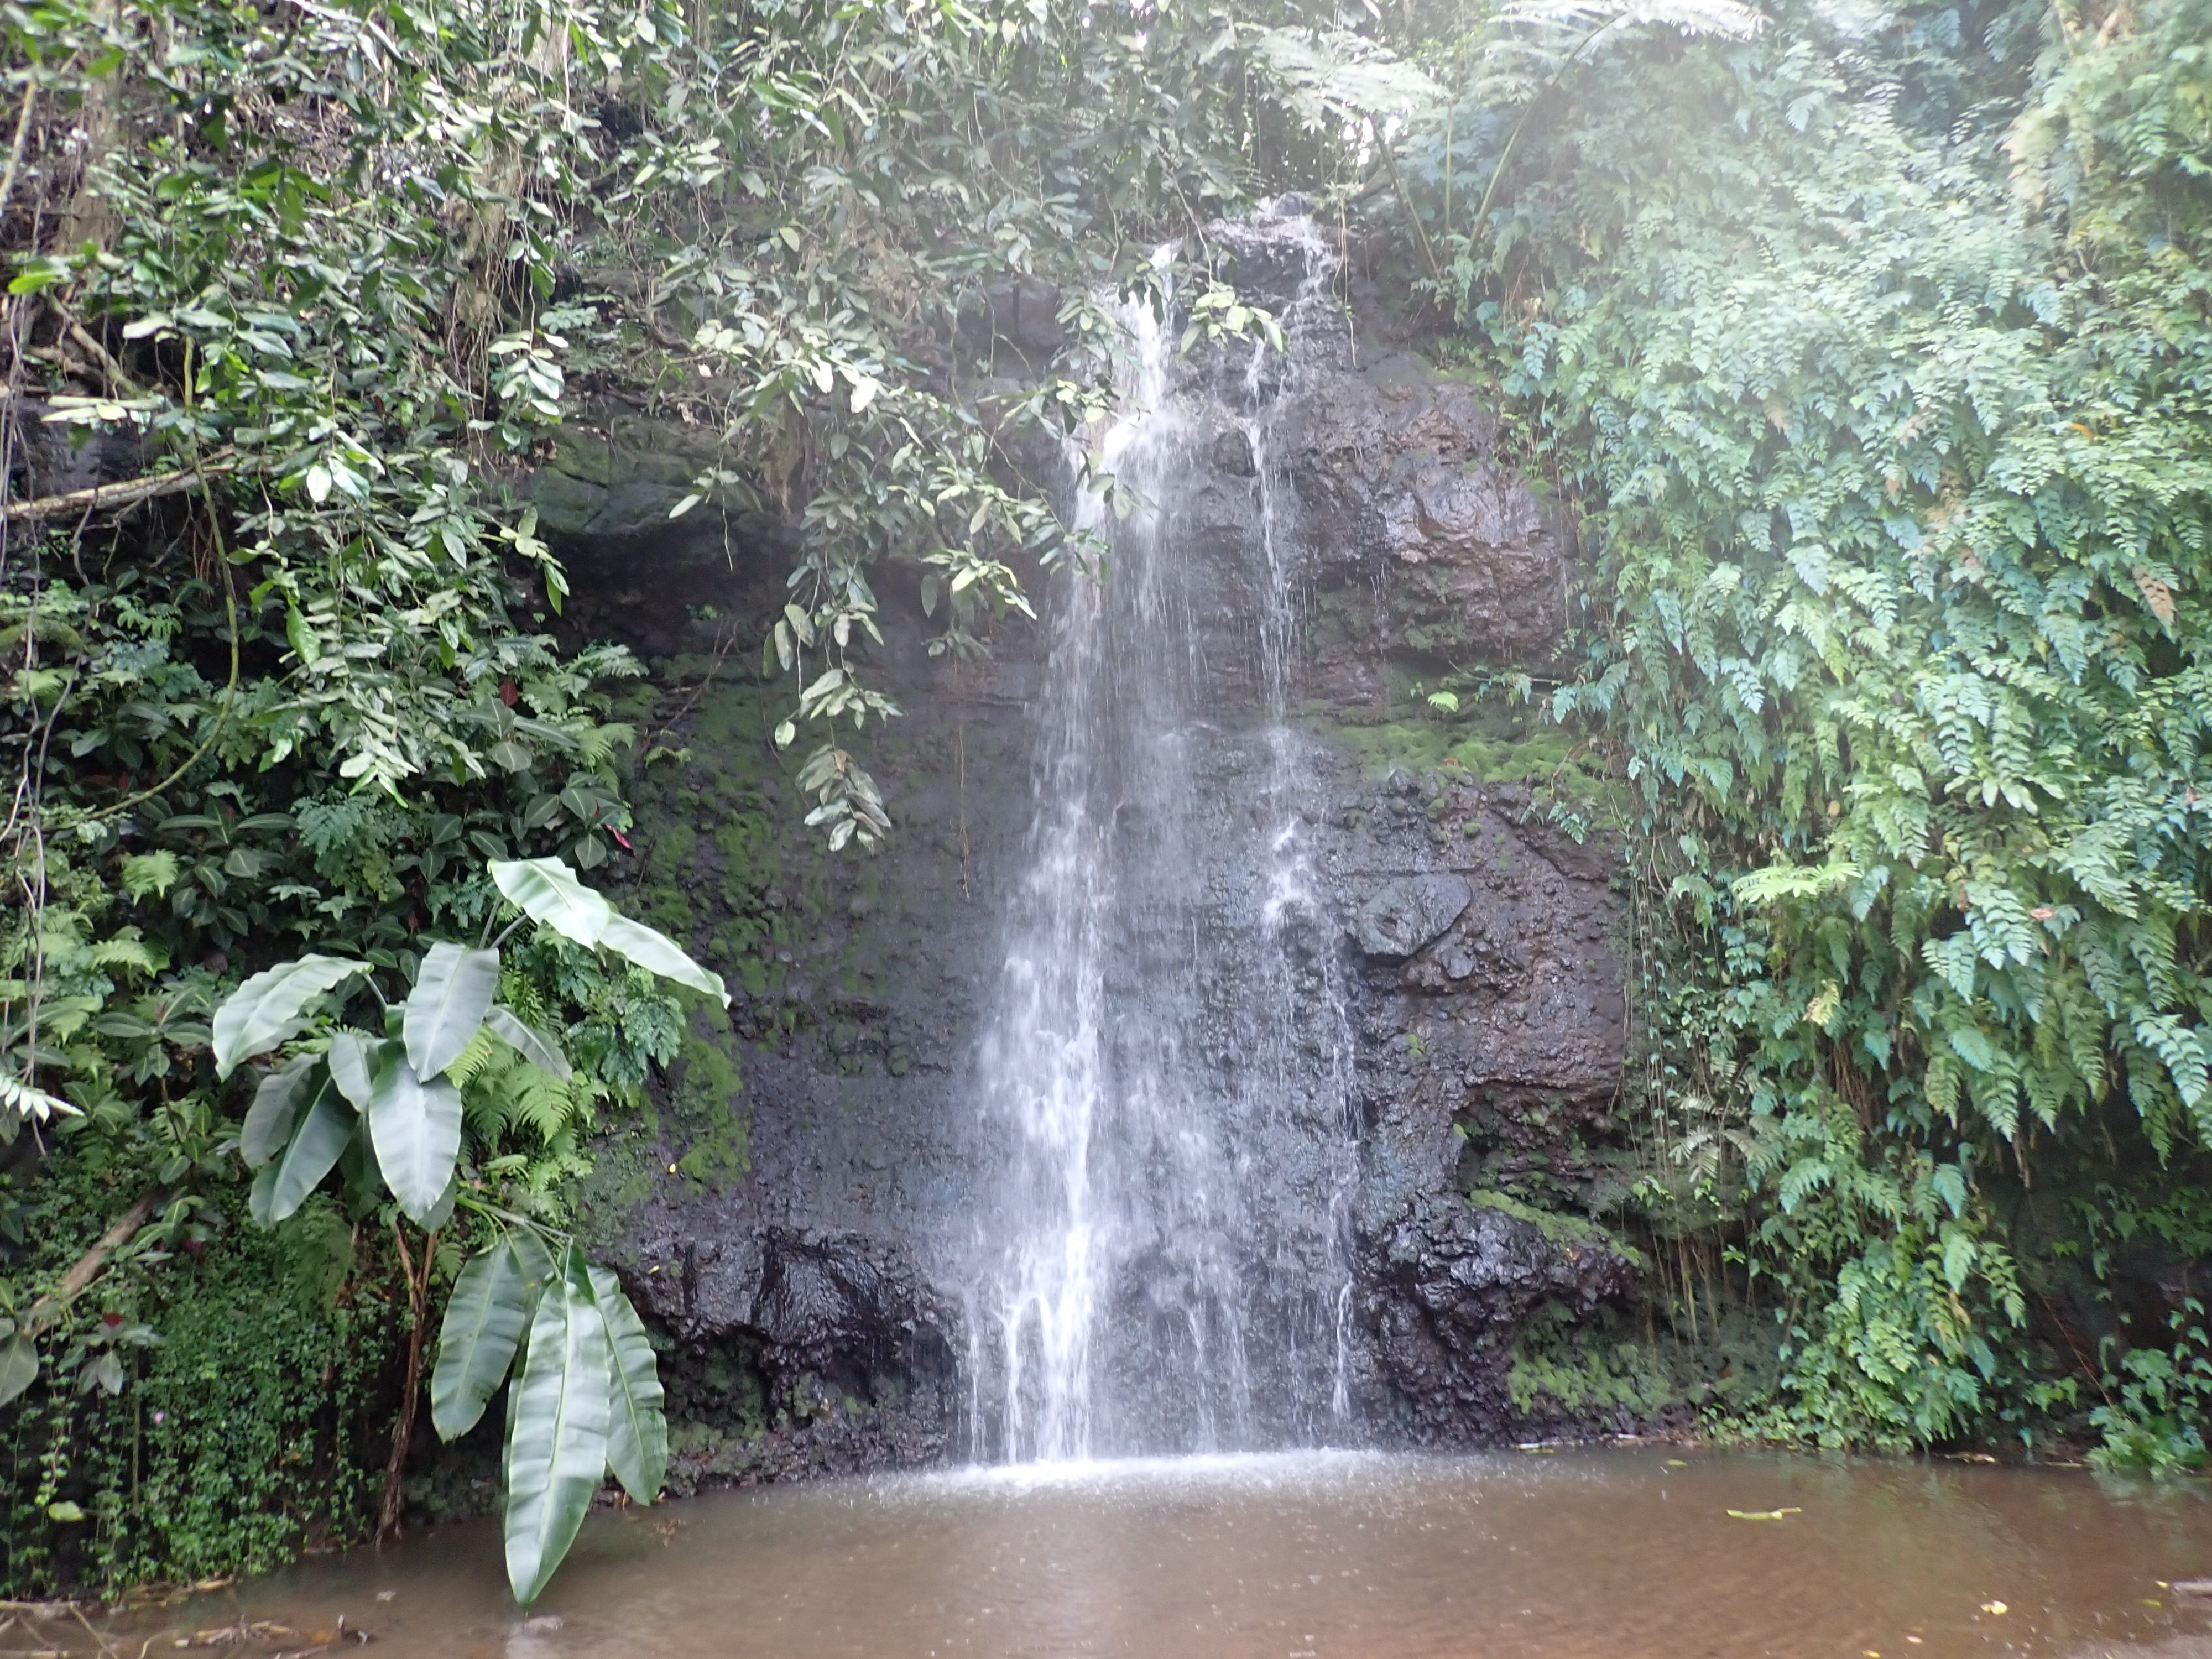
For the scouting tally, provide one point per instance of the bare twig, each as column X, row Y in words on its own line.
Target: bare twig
column 722, row 650
column 403, row 1432
column 117, row 378
column 106, row 498
column 22, row 138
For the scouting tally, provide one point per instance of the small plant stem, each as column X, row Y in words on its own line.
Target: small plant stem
column 403, row 1432
column 22, row 138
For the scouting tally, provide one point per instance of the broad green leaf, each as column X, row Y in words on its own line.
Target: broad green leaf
column 637, row 1426
column 442, row 1211
column 452, row 990
column 272, row 1005
column 283, row 1185
column 485, row 1318
column 415, row 1128
column 556, row 1452
column 534, row 1045
column 355, row 1058
column 535, row 1261
column 19, row 1365
column 653, row 951
column 547, row 891
column 275, row 1109
column 301, row 637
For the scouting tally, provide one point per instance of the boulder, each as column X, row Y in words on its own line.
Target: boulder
column 1406, row 912
column 1452, row 1282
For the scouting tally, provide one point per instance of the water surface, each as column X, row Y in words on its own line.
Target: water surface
column 1572, row 1555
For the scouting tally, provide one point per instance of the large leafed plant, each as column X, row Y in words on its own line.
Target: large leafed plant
column 385, row 1107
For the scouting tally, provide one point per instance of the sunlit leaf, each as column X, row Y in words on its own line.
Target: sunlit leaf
column 273, row 1005
column 453, row 989
column 547, row 891
column 556, row 1447
column 653, row 951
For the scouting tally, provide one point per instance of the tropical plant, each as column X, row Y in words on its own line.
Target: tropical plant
column 1872, row 361
column 585, row 1393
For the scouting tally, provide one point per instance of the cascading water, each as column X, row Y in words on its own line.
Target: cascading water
column 1171, row 1054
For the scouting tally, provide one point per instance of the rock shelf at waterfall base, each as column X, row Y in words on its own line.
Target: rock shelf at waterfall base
column 1143, row 1096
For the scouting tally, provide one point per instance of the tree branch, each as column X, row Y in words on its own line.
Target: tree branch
column 106, row 498
column 86, row 1267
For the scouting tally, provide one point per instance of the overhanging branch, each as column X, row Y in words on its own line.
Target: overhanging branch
column 108, row 498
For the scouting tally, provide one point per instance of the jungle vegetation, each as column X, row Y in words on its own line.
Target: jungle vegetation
column 1866, row 344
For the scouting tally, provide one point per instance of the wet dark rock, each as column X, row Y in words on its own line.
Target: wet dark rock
column 852, row 1352
column 1406, row 912
column 614, row 475
column 1232, row 455
column 1453, row 1282
column 55, row 458
column 1017, row 313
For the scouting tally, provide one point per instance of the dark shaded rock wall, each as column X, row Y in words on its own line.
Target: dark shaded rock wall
column 796, row 1227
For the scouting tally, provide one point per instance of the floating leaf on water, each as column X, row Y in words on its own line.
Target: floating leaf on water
column 1763, row 1515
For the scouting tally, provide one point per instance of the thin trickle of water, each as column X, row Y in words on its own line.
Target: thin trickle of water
column 1170, row 1055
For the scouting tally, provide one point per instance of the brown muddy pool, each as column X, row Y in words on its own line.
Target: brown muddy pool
column 1568, row 1555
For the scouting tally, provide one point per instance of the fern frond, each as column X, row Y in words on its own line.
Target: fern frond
column 1528, row 45
column 1333, row 78
column 482, row 1049
column 506, row 1093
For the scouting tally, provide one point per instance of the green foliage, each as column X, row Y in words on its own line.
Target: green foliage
column 230, row 1441
column 1884, row 409
column 1584, row 1375
column 586, row 1353
column 2157, row 1421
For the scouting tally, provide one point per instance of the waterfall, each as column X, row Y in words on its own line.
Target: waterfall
column 1170, row 1057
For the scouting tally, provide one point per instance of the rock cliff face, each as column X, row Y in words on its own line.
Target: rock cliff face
column 803, row 1227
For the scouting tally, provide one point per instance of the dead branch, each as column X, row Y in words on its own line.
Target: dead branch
column 108, row 498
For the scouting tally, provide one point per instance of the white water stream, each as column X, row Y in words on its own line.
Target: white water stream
column 1170, row 1055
